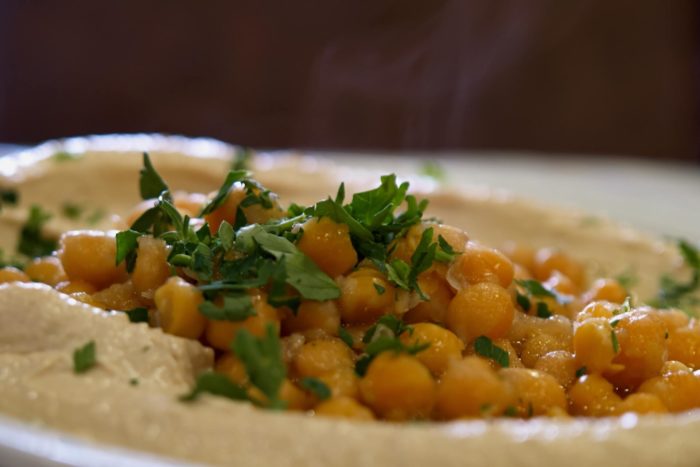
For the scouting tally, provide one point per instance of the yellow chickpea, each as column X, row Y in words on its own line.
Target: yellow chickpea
column 313, row 318
column 481, row 309
column 641, row 403
column 344, row 407
column 593, row 345
column 469, row 387
column 12, row 274
column 398, row 387
column 190, row 204
column 674, row 366
column 673, row 319
column 541, row 342
column 405, row 247
column 328, row 244
column 480, row 264
column 177, row 303
column 365, row 296
column 593, row 396
column 561, row 283
column 608, row 290
column 642, row 341
column 560, row 364
column 318, row 357
column 86, row 299
column 548, row 260
column 343, row 382
column 677, row 391
column 89, row 255
column 520, row 254
column 48, row 270
column 118, row 297
column 536, row 392
column 151, row 269
column 295, row 397
column 444, row 346
column 231, row 366
column 70, row 287
column 597, row 309
column 219, row 334
column 684, row 346
column 435, row 286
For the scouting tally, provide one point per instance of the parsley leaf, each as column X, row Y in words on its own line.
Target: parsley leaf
column 234, row 308
column 262, row 357
column 446, row 253
column 345, row 336
column 221, row 196
column 543, row 310
column 151, row 185
column 615, row 342
column 485, row 347
column 683, row 295
column 316, row 386
column 383, row 336
column 138, row 315
column 32, row 241
column 216, row 384
column 581, row 371
column 127, row 243
column 84, row 357
column 242, row 159
column 8, row 196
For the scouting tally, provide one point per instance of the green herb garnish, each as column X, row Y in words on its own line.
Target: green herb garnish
column 71, row 210
column 84, row 357
column 32, row 241
column 138, row 315
column 216, row 384
column 235, row 308
column 678, row 294
column 485, row 347
column 615, row 343
column 383, row 336
column 8, row 196
column 316, row 386
column 345, row 336
column 581, row 371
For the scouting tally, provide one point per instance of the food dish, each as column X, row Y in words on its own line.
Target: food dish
column 636, row 246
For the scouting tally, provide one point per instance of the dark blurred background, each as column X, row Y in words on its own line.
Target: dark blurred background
column 598, row 76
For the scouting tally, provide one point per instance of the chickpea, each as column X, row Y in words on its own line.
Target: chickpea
column 536, row 392
column 561, row 364
column 480, row 264
column 190, row 204
column 365, row 296
column 541, row 342
column 343, row 382
column 593, row 396
column 86, row 299
column 70, row 287
column 641, row 403
column 344, row 407
column 231, row 366
column 318, row 357
column 312, row 317
column 677, row 391
column 561, row 283
column 405, row 247
column 684, row 346
column 525, row 327
column 593, row 345
column 608, row 290
column 468, row 387
column 597, row 309
column 444, row 346
column 521, row 255
column 177, row 303
column 47, row 270
column 12, row 274
column 435, row 286
column 548, row 260
column 398, row 387
column 328, row 244
column 674, row 366
column 255, row 214
column 219, row 334
column 642, row 343
column 118, row 297
column 89, row 255
column 673, row 319
column 482, row 309
column 151, row 269
column 295, row 397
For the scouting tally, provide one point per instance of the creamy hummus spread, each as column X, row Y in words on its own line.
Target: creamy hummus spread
column 130, row 398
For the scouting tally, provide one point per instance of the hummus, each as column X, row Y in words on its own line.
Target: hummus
column 130, row 398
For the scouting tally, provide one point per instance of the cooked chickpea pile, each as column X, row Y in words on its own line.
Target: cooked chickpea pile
column 579, row 349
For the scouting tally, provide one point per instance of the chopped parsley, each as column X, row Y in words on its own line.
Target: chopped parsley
column 534, row 290
column 485, row 347
column 317, row 387
column 434, row 170
column 380, row 290
column 32, row 241
column 581, row 371
column 242, row 159
column 134, row 381
column 345, row 336
column 262, row 357
column 138, row 315
column 678, row 294
column 383, row 336
column 8, row 196
column 543, row 310
column 216, row 384
column 84, row 357
column 615, row 343
column 71, row 210
column 235, row 308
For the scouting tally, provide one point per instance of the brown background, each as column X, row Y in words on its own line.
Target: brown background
column 615, row 77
